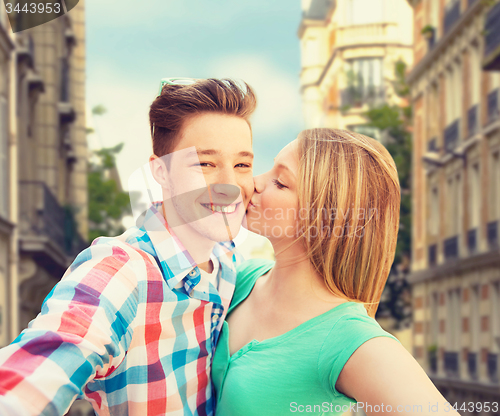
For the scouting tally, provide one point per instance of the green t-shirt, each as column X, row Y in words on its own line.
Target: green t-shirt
column 288, row 373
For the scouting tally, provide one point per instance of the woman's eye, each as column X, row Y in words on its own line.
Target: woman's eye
column 278, row 184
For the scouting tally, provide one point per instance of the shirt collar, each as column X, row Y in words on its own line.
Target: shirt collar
column 176, row 262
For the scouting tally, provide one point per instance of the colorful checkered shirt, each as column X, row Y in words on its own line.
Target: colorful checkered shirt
column 131, row 327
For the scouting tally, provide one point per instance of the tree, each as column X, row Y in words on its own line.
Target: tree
column 107, row 203
column 394, row 122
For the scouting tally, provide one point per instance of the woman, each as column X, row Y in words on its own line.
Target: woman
column 300, row 335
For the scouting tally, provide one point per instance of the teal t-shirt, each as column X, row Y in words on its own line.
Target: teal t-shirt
column 292, row 371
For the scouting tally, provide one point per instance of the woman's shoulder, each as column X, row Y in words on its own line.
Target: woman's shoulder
column 352, row 329
column 247, row 274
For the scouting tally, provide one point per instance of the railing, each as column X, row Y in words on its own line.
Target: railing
column 472, row 120
column 450, row 246
column 432, row 145
column 42, row 215
column 432, row 255
column 366, row 34
column 451, row 16
column 492, row 364
column 472, row 364
column 451, row 363
column 493, row 110
column 492, row 234
column 492, row 37
column 358, row 96
column 472, row 240
column 451, row 135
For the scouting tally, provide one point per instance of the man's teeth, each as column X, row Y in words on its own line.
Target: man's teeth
column 222, row 208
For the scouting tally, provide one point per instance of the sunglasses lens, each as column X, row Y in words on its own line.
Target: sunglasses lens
column 183, row 81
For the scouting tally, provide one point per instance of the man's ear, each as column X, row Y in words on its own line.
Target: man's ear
column 159, row 170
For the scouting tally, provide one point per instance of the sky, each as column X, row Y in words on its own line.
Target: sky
column 131, row 45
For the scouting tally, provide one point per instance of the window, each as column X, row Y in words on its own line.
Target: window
column 474, row 196
column 4, row 148
column 434, row 212
column 453, row 321
column 494, row 186
column 434, row 319
column 453, row 208
column 495, row 315
column 433, row 112
column 453, row 94
column 364, row 81
column 475, row 72
column 474, row 319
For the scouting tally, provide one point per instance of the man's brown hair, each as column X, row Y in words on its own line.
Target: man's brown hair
column 178, row 103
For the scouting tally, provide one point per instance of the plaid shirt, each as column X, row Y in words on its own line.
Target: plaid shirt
column 131, row 327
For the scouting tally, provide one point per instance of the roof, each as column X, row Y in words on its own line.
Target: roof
column 318, row 9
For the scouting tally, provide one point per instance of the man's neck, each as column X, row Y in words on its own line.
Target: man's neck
column 199, row 247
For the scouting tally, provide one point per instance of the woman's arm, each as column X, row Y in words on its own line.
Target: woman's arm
column 382, row 371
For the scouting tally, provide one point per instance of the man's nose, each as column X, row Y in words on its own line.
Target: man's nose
column 225, row 191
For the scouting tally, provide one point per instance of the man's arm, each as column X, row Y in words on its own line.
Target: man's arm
column 82, row 332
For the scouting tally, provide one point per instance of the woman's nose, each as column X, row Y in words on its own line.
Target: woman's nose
column 258, row 183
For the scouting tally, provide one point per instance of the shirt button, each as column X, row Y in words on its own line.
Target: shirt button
column 215, row 318
column 192, row 272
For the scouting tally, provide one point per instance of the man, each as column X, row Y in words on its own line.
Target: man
column 133, row 323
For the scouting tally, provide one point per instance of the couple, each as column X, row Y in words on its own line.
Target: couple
column 134, row 323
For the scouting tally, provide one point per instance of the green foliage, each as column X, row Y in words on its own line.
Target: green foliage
column 395, row 123
column 107, row 204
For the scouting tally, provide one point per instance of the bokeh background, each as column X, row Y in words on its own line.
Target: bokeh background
column 420, row 76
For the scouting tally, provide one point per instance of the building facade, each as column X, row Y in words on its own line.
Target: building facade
column 349, row 49
column 455, row 275
column 43, row 162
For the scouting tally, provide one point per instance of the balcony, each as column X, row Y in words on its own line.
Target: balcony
column 493, row 110
column 451, row 363
column 492, row 364
column 357, row 97
column 366, row 34
column 47, row 230
column 450, row 247
column 472, row 241
column 472, row 364
column 472, row 121
column 451, row 136
column 492, row 39
column 492, row 234
column 451, row 16
column 432, row 255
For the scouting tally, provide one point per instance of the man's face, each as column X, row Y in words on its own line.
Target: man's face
column 211, row 172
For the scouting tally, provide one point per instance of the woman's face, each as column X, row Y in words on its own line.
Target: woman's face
column 273, row 209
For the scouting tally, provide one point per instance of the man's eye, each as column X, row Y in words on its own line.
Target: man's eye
column 244, row 165
column 278, row 184
column 203, row 164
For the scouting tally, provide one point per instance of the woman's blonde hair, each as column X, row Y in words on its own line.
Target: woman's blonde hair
column 349, row 187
